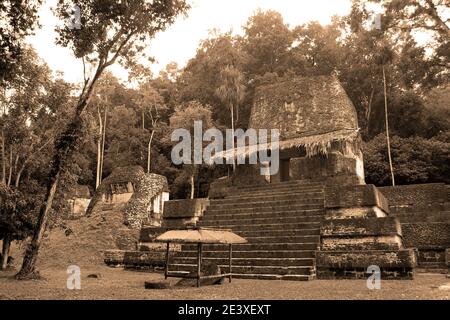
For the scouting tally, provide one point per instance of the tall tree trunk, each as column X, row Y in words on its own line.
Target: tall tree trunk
column 103, row 144
column 3, row 158
column 143, row 119
column 99, row 147
column 5, row 251
column 10, row 165
column 387, row 128
column 369, row 111
column 19, row 175
column 232, row 141
column 192, row 184
column 149, row 152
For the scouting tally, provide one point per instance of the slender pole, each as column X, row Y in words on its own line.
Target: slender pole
column 387, row 129
column 199, row 263
column 230, row 257
column 166, row 269
column 232, row 142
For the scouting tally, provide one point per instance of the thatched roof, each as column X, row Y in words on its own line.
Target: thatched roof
column 201, row 235
column 313, row 113
column 313, row 144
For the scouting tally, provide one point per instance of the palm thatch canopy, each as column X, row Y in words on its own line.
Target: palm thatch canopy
column 201, row 235
column 313, row 145
column 313, row 113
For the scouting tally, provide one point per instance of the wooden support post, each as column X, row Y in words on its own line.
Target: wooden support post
column 199, row 264
column 166, row 269
column 230, row 257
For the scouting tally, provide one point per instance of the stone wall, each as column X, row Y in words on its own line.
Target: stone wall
column 357, row 233
column 424, row 214
column 417, row 195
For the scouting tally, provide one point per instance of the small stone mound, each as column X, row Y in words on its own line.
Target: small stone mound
column 207, row 269
column 157, row 284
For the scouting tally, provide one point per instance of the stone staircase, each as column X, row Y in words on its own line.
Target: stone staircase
column 281, row 222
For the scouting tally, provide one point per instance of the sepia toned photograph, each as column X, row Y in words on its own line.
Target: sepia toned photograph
column 224, row 151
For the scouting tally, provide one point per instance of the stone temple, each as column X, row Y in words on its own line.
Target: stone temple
column 316, row 218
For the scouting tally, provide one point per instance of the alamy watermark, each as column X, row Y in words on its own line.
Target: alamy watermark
column 374, row 21
column 75, row 17
column 74, row 278
column 374, row 280
column 260, row 148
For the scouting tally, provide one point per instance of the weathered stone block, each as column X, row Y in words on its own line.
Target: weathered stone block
column 185, row 208
column 426, row 235
column 247, row 175
column 355, row 201
column 348, row 170
column 447, row 257
column 149, row 234
column 436, row 257
column 126, row 239
column 134, row 259
column 220, row 188
column 385, row 226
column 392, row 242
column 362, row 259
column 419, row 195
column 361, row 273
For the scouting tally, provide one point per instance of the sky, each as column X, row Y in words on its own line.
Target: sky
column 180, row 41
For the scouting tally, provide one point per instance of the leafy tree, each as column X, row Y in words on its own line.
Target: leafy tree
column 416, row 160
column 231, row 92
column 214, row 55
column 111, row 31
column 19, row 18
column 184, row 118
column 16, row 220
column 266, row 40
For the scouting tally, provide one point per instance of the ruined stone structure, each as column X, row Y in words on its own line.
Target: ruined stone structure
column 316, row 217
column 79, row 201
column 140, row 197
column 143, row 195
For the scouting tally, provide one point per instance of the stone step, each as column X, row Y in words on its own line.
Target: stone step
column 207, row 222
column 269, row 227
column 431, row 265
column 282, row 233
column 417, row 217
column 288, row 239
column 277, row 191
column 231, row 204
column 252, row 254
column 299, row 262
column 270, row 195
column 256, row 247
column 287, row 184
column 266, row 208
column 254, row 215
column 283, row 194
column 280, row 270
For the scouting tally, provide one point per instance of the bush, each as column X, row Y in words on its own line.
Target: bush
column 415, row 160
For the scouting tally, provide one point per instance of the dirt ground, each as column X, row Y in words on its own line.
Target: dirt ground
column 120, row 284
